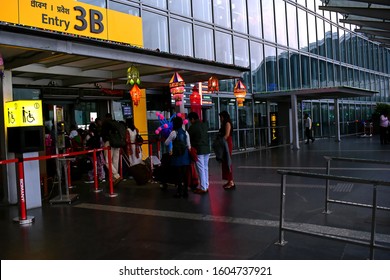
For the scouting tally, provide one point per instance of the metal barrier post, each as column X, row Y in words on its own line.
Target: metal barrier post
column 158, row 150
column 326, row 211
column 281, row 241
column 23, row 218
column 110, row 182
column 95, row 176
column 373, row 221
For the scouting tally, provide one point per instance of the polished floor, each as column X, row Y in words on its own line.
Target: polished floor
column 146, row 223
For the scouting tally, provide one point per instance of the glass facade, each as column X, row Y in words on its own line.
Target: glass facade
column 286, row 44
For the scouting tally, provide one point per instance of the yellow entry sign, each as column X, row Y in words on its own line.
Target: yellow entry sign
column 23, row 113
column 72, row 17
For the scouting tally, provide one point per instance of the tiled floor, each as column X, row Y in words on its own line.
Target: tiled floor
column 143, row 222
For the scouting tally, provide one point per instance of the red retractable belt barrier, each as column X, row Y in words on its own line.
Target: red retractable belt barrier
column 23, row 217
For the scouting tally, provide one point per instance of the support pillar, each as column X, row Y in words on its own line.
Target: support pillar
column 294, row 122
column 337, row 119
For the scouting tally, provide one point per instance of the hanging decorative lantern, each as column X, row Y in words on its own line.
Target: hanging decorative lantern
column 176, row 85
column 213, row 84
column 240, row 93
column 135, row 94
column 133, row 76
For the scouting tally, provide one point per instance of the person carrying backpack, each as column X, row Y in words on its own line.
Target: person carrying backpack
column 179, row 140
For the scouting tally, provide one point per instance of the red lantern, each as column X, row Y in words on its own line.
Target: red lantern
column 240, row 93
column 196, row 101
column 135, row 93
column 213, row 84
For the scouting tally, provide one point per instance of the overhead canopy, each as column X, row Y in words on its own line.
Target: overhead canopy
column 315, row 94
column 372, row 17
column 39, row 58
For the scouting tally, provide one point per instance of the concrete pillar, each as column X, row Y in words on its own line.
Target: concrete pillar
column 294, row 122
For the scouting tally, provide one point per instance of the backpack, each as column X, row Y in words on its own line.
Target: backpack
column 179, row 145
column 117, row 136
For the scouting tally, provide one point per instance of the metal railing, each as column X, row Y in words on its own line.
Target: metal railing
column 374, row 207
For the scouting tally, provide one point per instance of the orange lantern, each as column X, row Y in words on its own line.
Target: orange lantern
column 176, row 85
column 135, row 94
column 240, row 93
column 213, row 84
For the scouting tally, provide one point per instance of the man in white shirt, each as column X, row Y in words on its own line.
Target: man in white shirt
column 308, row 126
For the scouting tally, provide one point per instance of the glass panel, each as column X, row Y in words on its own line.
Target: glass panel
column 335, row 42
column 283, row 70
column 359, row 52
column 328, row 40
column 257, row 67
column 375, row 57
column 311, row 5
column 322, row 76
column 342, row 45
column 181, row 7
column 245, row 124
column 156, row 3
column 181, row 37
column 254, row 15
column 204, row 43
column 337, row 75
column 268, row 19
column 348, row 47
column 241, row 52
column 302, row 2
column 369, row 56
column 155, row 31
column 201, row 10
column 271, row 68
column 123, row 8
column 295, row 71
column 305, row 70
column 222, row 13
column 365, row 54
column 362, row 78
column 314, row 73
column 302, row 30
column 292, row 26
column 223, row 45
column 330, row 74
column 325, row 126
column 311, row 22
column 356, row 78
column 239, row 15
column 380, row 60
column 98, row 3
column 354, row 50
column 280, row 17
column 321, row 37
column 344, row 76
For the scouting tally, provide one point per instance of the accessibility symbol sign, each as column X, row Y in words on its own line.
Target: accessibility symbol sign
column 23, row 113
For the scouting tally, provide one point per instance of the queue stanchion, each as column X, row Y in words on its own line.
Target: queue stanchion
column 95, row 176
column 110, row 182
column 158, row 150
column 120, row 163
column 23, row 219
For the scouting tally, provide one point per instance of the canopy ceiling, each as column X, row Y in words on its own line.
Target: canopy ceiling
column 371, row 16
